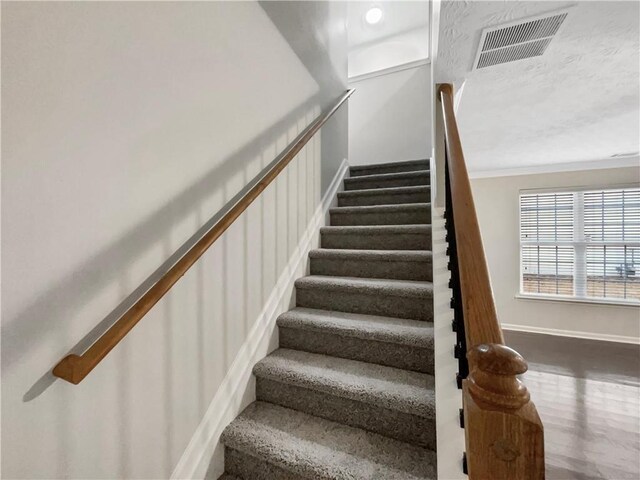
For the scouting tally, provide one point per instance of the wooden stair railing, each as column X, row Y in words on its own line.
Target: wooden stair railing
column 503, row 432
column 74, row 368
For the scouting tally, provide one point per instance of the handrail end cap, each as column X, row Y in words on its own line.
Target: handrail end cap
column 67, row 369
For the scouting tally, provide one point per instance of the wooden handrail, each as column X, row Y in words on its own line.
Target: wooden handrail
column 481, row 320
column 74, row 368
column 503, row 432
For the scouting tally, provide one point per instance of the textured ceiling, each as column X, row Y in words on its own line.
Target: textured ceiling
column 577, row 102
column 401, row 37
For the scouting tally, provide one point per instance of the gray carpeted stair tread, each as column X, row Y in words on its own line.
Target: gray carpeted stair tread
column 421, row 256
column 383, row 191
column 398, row 264
column 387, row 180
column 226, row 476
column 374, row 286
column 371, row 209
column 315, row 448
column 389, row 167
column 395, row 214
column 367, row 230
column 395, row 342
column 386, row 387
column 388, row 176
column 377, row 237
column 400, row 331
column 371, row 296
column 384, row 196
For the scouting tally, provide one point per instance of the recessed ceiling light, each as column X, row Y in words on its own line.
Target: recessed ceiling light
column 373, row 15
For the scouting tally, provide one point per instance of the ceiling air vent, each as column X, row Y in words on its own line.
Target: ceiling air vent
column 518, row 40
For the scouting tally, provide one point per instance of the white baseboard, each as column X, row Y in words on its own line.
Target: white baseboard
column 604, row 337
column 204, row 454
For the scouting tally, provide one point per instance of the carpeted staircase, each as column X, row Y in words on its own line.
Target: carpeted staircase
column 350, row 392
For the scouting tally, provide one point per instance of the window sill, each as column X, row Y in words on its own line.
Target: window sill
column 567, row 299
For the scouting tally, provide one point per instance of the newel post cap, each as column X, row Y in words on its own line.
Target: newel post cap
column 493, row 377
column 498, row 359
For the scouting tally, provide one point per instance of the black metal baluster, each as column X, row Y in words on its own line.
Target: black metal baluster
column 457, row 324
column 460, row 347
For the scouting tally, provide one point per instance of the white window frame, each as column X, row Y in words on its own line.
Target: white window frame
column 579, row 244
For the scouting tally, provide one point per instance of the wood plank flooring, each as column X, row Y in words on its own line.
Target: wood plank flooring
column 588, row 396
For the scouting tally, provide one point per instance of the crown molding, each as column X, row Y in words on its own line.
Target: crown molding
column 620, row 162
column 387, row 71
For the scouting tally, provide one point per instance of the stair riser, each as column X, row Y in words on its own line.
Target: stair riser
column 415, row 308
column 398, row 425
column 361, row 184
column 405, row 357
column 420, row 216
column 251, row 468
column 390, row 241
column 379, row 170
column 390, row 199
column 365, row 268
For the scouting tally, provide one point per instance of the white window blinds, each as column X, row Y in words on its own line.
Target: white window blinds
column 546, row 231
column 584, row 244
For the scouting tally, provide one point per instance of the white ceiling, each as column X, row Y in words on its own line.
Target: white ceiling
column 401, row 37
column 578, row 102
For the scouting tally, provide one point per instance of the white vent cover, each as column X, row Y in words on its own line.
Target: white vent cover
column 518, row 40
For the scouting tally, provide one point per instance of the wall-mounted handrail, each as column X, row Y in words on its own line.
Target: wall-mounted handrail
column 503, row 432
column 74, row 368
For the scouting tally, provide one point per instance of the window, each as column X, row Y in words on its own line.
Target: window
column 583, row 244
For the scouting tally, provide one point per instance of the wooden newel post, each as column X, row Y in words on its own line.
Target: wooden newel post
column 504, row 438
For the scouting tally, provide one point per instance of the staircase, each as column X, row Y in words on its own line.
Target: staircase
column 350, row 392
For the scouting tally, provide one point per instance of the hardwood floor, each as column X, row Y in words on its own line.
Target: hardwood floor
column 588, row 396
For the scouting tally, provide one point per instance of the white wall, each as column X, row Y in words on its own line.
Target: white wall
column 390, row 117
column 125, row 127
column 400, row 37
column 496, row 202
column 388, row 52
